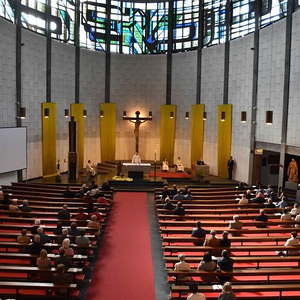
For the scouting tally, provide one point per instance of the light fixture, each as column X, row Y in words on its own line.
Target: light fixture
column 101, row 114
column 204, row 115
column 223, row 116
column 67, row 113
column 172, row 115
column 269, row 117
column 243, row 116
column 22, row 114
column 46, row 112
column 124, row 114
column 187, row 115
column 150, row 114
column 84, row 113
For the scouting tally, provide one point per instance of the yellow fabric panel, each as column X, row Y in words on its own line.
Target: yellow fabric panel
column 77, row 113
column 197, row 133
column 224, row 138
column 108, row 131
column 167, row 132
column 49, row 140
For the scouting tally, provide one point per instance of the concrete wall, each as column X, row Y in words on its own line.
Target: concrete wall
column 139, row 83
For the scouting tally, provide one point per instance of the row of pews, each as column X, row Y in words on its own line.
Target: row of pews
column 259, row 272
column 20, row 278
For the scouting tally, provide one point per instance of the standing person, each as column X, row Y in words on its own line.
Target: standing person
column 230, row 165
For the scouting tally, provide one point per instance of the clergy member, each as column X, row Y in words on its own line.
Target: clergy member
column 136, row 158
column 179, row 165
column 165, row 165
column 90, row 168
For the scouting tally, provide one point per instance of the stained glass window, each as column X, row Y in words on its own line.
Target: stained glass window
column 142, row 27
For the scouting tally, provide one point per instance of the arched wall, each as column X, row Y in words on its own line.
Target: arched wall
column 138, row 82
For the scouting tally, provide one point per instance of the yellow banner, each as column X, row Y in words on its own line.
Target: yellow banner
column 77, row 113
column 167, row 132
column 224, row 118
column 107, row 131
column 197, row 133
column 49, row 139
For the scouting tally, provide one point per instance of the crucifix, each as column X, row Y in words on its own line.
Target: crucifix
column 137, row 120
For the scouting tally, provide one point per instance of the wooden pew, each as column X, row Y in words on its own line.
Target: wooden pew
column 237, row 288
column 258, row 260
column 23, row 285
column 234, row 239
column 248, row 249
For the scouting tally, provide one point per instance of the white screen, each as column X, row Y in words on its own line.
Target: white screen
column 12, row 149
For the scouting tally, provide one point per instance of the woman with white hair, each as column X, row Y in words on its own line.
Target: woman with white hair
column 66, row 246
column 235, row 224
column 227, row 293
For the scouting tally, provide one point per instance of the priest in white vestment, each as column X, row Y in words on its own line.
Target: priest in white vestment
column 136, row 158
column 165, row 165
column 179, row 165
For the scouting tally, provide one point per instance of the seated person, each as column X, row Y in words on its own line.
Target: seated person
column 283, row 201
column 90, row 168
column 81, row 215
column 64, row 234
column 249, row 195
column 35, row 226
column 43, row 261
column 58, row 229
column 243, row 200
column 179, row 165
column 286, row 217
column 261, row 218
column 103, row 200
column 1, row 195
column 63, row 259
column 74, row 231
column 173, row 191
column 62, row 278
column 36, row 246
column 214, row 242
column 44, row 237
column 292, row 241
column 165, row 192
column 23, row 239
column 295, row 210
column 168, row 205
column 13, row 207
column 136, row 158
column 82, row 191
column 97, row 213
column 227, row 293
column 68, row 193
column 225, row 242
column 236, row 223
column 259, row 198
column 25, row 206
column 179, row 196
column 188, row 195
column 297, row 221
column 64, row 214
column 94, row 223
column 93, row 185
column 182, row 266
column 179, row 209
column 82, row 240
column 269, row 190
column 225, row 263
column 207, row 264
column 195, row 295
column 165, row 165
column 66, row 246
column 270, row 203
column 199, row 233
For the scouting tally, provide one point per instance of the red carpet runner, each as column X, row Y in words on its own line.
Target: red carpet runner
column 124, row 267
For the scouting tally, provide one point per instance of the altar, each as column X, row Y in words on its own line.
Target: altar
column 135, row 171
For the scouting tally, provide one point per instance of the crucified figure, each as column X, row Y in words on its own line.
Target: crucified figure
column 137, row 122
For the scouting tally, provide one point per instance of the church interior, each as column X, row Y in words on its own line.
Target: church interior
column 149, row 149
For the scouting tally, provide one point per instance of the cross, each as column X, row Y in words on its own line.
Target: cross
column 137, row 120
